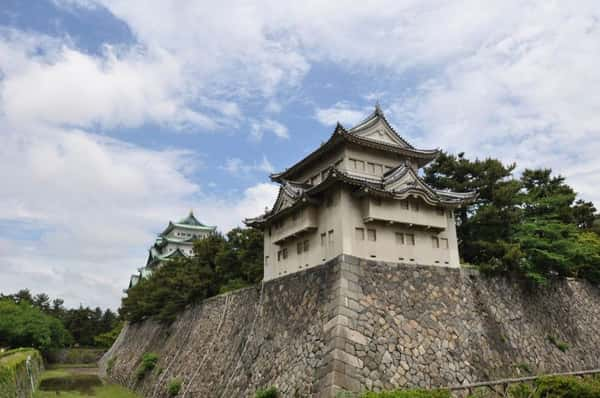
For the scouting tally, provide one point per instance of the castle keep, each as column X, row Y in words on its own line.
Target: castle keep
column 360, row 194
column 176, row 240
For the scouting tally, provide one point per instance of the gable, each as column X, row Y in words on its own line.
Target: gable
column 380, row 132
column 408, row 179
column 283, row 201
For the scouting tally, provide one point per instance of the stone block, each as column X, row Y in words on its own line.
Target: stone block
column 335, row 321
column 346, row 358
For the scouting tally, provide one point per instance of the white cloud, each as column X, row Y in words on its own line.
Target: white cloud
column 63, row 86
column 258, row 129
column 528, row 96
column 237, row 166
column 342, row 112
column 91, row 205
column 509, row 79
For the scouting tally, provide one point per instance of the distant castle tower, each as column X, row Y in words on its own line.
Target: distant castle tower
column 176, row 240
column 359, row 194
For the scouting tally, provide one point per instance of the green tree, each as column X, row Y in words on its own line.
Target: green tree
column 23, row 325
column 532, row 226
column 484, row 228
column 219, row 264
column 169, row 289
column 584, row 214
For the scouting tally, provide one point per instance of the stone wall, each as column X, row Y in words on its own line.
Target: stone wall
column 354, row 324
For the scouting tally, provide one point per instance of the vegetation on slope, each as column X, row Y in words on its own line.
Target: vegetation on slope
column 543, row 387
column 14, row 372
column 532, row 226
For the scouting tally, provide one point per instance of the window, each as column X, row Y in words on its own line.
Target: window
column 323, row 238
column 439, row 211
column 299, row 247
column 444, row 243
column 266, row 260
column 294, row 216
column 435, row 242
column 352, row 163
column 359, row 233
column 409, row 239
column 379, row 169
column 371, row 167
column 306, row 245
column 285, row 253
column 279, row 255
column 399, row 238
column 360, row 165
column 404, row 204
column 371, row 235
column 330, row 236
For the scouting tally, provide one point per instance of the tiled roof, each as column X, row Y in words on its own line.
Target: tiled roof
column 391, row 185
column 340, row 135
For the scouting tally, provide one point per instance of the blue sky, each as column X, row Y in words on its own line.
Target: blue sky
column 118, row 115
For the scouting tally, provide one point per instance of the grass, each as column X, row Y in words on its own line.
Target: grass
column 13, row 367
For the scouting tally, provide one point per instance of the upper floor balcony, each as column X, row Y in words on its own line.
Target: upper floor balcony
column 295, row 224
column 410, row 212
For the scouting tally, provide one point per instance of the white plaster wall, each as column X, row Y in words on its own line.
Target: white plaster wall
column 329, row 219
column 318, row 166
column 385, row 247
column 343, row 217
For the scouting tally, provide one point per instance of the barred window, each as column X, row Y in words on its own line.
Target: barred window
column 359, row 233
column 399, row 238
column 371, row 235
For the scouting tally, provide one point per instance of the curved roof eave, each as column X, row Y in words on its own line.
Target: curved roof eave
column 423, row 156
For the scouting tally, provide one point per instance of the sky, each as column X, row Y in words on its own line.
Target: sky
column 117, row 116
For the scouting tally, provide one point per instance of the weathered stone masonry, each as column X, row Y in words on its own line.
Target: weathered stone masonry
column 353, row 324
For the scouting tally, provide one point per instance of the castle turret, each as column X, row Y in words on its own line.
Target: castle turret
column 360, row 194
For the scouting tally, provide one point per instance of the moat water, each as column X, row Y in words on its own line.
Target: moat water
column 82, row 383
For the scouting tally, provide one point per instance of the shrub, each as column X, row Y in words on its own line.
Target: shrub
column 408, row 394
column 567, row 387
column 520, row 391
column 174, row 387
column 270, row 392
column 561, row 345
column 106, row 340
column 110, row 364
column 525, row 368
column 149, row 361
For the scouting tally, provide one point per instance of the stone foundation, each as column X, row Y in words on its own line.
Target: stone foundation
column 353, row 324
